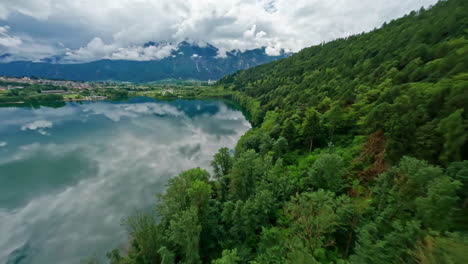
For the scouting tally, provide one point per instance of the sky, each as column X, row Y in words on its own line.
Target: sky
column 86, row 30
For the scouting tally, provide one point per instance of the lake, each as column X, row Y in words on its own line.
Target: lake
column 69, row 175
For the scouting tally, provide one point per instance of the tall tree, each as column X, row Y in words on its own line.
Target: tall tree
column 454, row 130
column 311, row 128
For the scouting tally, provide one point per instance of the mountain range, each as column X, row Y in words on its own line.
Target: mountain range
column 186, row 61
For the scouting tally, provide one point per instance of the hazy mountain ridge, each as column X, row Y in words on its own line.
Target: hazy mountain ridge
column 187, row 61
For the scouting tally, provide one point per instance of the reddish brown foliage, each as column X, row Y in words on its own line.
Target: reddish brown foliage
column 374, row 151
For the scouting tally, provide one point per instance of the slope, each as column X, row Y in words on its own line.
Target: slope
column 358, row 156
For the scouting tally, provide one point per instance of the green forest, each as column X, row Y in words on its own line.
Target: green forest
column 358, row 155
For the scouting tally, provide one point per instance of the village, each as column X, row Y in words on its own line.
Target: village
column 27, row 80
column 25, row 89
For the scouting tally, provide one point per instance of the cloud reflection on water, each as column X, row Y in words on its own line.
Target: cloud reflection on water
column 127, row 160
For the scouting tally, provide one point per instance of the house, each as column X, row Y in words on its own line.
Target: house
column 54, row 92
column 10, row 87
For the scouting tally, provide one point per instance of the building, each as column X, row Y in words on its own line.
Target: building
column 54, row 92
column 10, row 87
column 168, row 91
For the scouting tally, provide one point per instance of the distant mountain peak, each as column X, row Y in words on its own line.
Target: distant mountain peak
column 149, row 44
column 186, row 60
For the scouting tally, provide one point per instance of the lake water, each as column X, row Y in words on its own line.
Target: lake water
column 69, row 175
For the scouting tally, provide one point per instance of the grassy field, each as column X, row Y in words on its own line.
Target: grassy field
column 72, row 96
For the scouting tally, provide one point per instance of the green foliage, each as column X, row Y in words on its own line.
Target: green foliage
column 454, row 131
column 459, row 171
column 116, row 94
column 184, row 233
column 392, row 187
column 328, row 173
column 229, row 257
column 435, row 209
column 311, row 128
column 247, row 170
column 403, row 79
column 222, row 163
column 435, row 249
column 375, row 246
column 313, row 218
column 409, row 199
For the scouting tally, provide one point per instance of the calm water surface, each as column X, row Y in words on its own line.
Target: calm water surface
column 69, row 175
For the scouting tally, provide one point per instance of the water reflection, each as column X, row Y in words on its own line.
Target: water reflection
column 69, row 175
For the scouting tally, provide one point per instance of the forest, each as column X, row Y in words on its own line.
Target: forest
column 358, row 155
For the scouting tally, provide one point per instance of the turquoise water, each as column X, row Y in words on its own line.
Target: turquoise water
column 69, row 175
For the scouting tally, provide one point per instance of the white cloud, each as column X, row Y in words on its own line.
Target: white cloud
column 38, row 9
column 152, row 108
column 222, row 53
column 135, row 160
column 274, row 50
column 118, row 111
column 7, row 40
column 43, row 132
column 97, row 49
column 23, row 47
column 3, row 144
column 39, row 126
column 120, row 27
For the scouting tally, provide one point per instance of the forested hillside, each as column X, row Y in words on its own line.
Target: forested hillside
column 358, row 155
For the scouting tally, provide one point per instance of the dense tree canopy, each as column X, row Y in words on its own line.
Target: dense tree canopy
column 358, row 155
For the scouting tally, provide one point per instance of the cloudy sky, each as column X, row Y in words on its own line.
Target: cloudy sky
column 85, row 30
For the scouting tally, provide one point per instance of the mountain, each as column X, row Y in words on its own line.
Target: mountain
column 359, row 154
column 187, row 61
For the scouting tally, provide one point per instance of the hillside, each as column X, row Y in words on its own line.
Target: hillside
column 358, row 155
column 401, row 79
column 188, row 61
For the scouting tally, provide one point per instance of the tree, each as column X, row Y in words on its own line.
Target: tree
column 459, row 171
column 167, row 256
column 221, row 163
column 408, row 199
column 184, row 232
column 272, row 246
column 229, row 257
column 177, row 198
column 334, row 118
column 328, row 173
column 247, row 170
column 435, row 249
column 313, row 218
column 375, row 245
column 146, row 234
column 244, row 220
column 289, row 131
column 311, row 127
column 437, row 207
column 453, row 129
column 199, row 195
column 280, row 147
